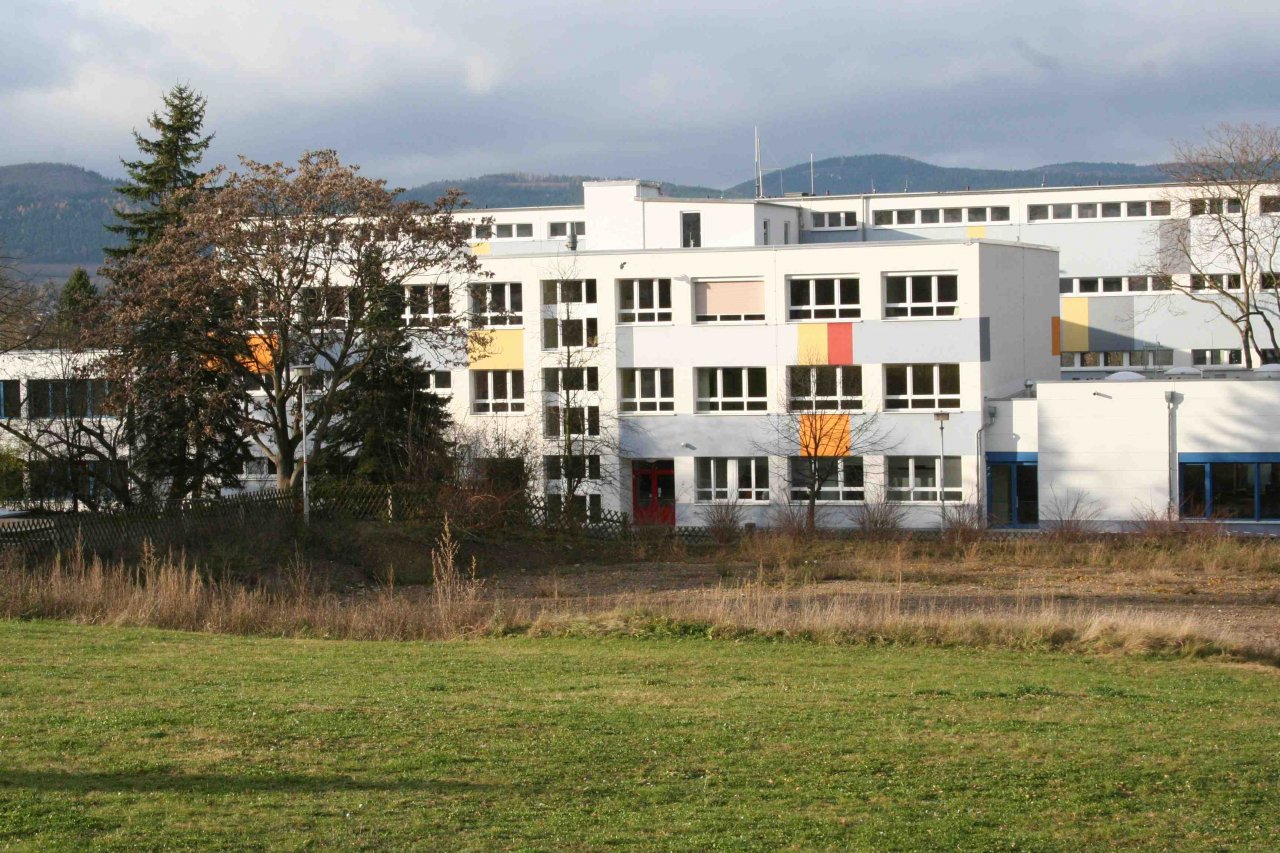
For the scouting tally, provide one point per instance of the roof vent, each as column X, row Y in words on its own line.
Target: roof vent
column 1126, row 376
column 1183, row 372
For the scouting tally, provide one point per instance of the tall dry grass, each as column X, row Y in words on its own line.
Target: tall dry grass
column 169, row 592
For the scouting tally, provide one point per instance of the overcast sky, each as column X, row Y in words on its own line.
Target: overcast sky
column 417, row 91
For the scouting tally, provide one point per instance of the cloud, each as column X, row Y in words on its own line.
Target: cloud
column 664, row 89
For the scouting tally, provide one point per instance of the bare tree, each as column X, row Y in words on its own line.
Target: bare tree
column 1220, row 249
column 822, row 436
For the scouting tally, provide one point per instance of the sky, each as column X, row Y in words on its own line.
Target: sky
column 420, row 91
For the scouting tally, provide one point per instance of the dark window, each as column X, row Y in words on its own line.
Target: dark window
column 691, row 230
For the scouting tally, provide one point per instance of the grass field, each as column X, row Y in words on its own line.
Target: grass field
column 137, row 738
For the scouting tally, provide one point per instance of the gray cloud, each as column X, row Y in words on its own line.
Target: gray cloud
column 665, row 89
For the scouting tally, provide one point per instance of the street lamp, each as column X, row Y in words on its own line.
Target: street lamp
column 303, row 373
column 942, row 418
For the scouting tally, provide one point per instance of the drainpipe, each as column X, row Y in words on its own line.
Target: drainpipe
column 988, row 418
column 1172, row 399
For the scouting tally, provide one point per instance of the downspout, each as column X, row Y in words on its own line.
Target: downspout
column 980, row 450
column 1172, row 399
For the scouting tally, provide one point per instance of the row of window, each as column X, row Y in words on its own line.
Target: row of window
column 55, row 398
column 719, row 479
column 940, row 216
column 1097, row 210
column 648, row 300
column 813, row 388
column 1143, row 358
column 834, row 219
column 508, row 230
column 1113, row 284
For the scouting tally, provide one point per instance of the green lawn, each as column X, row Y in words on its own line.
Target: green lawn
column 126, row 739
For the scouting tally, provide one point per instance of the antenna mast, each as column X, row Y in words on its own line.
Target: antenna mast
column 759, row 174
column 810, row 173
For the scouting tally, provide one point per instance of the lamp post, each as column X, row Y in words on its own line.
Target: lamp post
column 303, row 373
column 942, row 418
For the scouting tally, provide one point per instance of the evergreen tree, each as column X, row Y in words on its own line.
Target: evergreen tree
column 78, row 299
column 170, row 163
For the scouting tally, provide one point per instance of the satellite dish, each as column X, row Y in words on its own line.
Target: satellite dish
column 1184, row 371
column 1126, row 376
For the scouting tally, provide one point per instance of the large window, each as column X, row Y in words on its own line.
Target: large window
column 562, row 229
column 836, row 478
column 728, row 301
column 647, row 389
column 67, row 398
column 915, row 478
column 922, row 386
column 823, row 298
column 571, row 467
column 557, row 379
column 573, row 292
column 571, row 420
column 644, row 300
column 1239, row 490
column 1214, row 206
column 425, row 303
column 732, row 389
column 824, row 388
column 731, row 479
column 921, row 296
column 497, row 303
column 1216, row 357
column 582, row 332
column 1216, row 281
column 10, row 399
column 835, row 219
column 497, row 391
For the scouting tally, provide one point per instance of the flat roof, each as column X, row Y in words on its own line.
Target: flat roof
column 791, row 247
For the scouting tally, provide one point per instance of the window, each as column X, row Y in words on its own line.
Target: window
column 1246, row 490
column 1037, row 212
column 504, row 230
column 515, row 229
column 1214, row 357
column 786, row 233
column 882, row 217
column 561, row 229
column 1114, row 284
column 1136, row 208
column 439, row 382
column 1160, row 208
column 824, row 388
column 579, row 506
column 999, row 214
column 906, row 217
column 497, row 391
column 570, row 333
column 728, row 301
column 823, row 298
column 921, row 386
column 726, row 479
column 426, row 302
column 1216, row 281
column 483, row 231
column 691, row 230
column 497, row 303
column 1066, row 285
column 1214, row 206
column 932, row 216
column 952, row 215
column 1109, row 284
column 647, row 389
column 10, row 399
column 1137, row 283
column 574, row 292
column 1087, row 285
column 835, row 478
column 1133, row 359
column 977, row 214
column 571, row 420
column 1086, row 211
column 764, row 231
column 67, row 398
column 732, row 389
column 915, row 478
column 921, row 296
column 835, row 219
column 577, row 467
column 1269, row 204
column 557, row 379
column 1110, row 209
column 1061, row 211
column 644, row 300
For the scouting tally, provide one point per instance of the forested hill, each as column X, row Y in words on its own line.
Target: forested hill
column 52, row 214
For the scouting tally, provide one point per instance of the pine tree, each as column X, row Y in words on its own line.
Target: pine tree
column 77, row 308
column 170, row 163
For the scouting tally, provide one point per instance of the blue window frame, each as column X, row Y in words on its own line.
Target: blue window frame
column 1013, row 498
column 1239, row 486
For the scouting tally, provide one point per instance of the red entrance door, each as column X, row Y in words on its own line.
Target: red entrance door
column 653, row 492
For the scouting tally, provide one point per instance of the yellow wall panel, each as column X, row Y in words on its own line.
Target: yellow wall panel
column 824, row 435
column 496, row 349
column 1075, row 324
column 811, row 347
column 976, row 232
column 479, row 248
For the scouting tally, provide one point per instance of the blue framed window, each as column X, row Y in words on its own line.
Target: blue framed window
column 1242, row 486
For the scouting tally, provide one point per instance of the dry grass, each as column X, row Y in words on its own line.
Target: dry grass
column 170, row 592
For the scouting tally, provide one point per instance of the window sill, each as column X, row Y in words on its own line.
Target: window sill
column 736, row 412
column 727, row 502
column 826, row 320
column 928, row 317
column 921, row 411
column 499, row 414
column 644, row 323
column 665, row 414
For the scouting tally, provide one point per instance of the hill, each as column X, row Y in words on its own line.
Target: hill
column 53, row 214
column 519, row 189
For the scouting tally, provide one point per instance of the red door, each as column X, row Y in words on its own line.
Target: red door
column 653, row 492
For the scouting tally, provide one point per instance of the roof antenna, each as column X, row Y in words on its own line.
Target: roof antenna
column 759, row 174
column 810, row 173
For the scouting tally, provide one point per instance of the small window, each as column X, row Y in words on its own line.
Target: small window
column 764, row 232
column 732, row 389
column 558, row 229
column 1066, row 285
column 484, row 231
column 977, row 214
column 1160, row 208
column 524, row 229
column 1269, row 204
column 504, row 231
column 824, row 388
column 1138, row 283
column 999, row 214
column 906, row 217
column 882, row 217
column 558, row 379
column 731, row 479
column 1087, row 285
column 850, row 219
column 647, row 389
column 921, row 296
column 819, row 220
column 497, row 391
column 1113, row 285
column 425, row 303
column 1062, row 211
column 572, row 332
column 931, row 216
column 439, row 382
column 690, row 230
column 1037, row 212
column 1136, row 208
column 1086, row 211
column 644, row 300
column 562, row 421
column 497, row 303
column 824, row 299
column 921, row 386
column 952, row 215
column 562, row 467
column 1110, row 209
